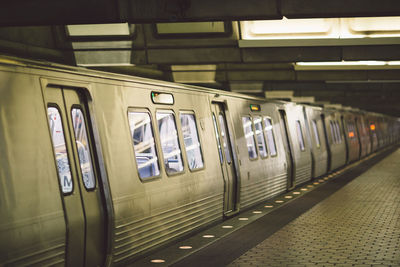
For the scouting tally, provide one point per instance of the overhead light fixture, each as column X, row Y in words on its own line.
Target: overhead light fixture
column 343, row 65
column 320, row 32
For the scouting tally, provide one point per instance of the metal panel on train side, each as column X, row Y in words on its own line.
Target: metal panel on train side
column 300, row 144
column 150, row 212
column 319, row 148
column 32, row 223
column 261, row 177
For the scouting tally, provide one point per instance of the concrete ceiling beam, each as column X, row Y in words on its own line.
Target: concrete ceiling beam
column 50, row 12
column 193, row 55
column 339, row 8
column 291, row 54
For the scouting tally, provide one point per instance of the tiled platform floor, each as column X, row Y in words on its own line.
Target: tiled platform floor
column 359, row 225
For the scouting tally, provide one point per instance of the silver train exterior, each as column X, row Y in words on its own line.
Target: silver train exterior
column 97, row 168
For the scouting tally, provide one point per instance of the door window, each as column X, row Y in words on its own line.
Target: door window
column 217, row 135
column 60, row 150
column 316, row 135
column 82, row 146
column 225, row 140
column 300, row 136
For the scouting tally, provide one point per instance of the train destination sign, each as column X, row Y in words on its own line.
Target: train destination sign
column 162, row 98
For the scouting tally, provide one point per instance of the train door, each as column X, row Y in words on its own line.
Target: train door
column 82, row 198
column 328, row 146
column 346, row 140
column 288, row 149
column 226, row 157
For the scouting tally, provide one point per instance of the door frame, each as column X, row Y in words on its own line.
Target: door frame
column 232, row 137
column 291, row 182
column 85, row 89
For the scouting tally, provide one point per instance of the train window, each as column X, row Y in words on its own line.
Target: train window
column 262, row 149
column 270, row 136
column 316, row 135
column 169, row 142
column 217, row 135
column 143, row 144
column 333, row 133
column 222, row 125
column 249, row 135
column 351, row 130
column 300, row 135
column 60, row 150
column 339, row 136
column 191, row 141
column 82, row 146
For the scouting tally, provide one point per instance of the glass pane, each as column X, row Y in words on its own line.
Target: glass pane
column 270, row 136
column 143, row 144
column 249, row 135
column 191, row 140
column 300, row 135
column 225, row 140
column 169, row 142
column 60, row 149
column 82, row 146
column 217, row 135
column 333, row 133
column 339, row 136
column 260, row 137
column 314, row 125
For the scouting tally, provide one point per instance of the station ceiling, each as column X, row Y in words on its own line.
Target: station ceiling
column 203, row 42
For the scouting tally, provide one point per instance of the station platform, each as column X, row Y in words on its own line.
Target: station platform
column 348, row 218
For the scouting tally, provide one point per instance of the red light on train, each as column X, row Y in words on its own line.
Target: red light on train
column 372, row 127
column 351, row 134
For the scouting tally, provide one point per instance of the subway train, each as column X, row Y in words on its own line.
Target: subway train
column 97, row 169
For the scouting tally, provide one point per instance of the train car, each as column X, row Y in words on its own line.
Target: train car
column 98, row 169
column 262, row 158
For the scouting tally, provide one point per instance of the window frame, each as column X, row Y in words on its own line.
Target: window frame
column 54, row 105
column 273, row 136
column 171, row 111
column 198, row 136
column 144, row 110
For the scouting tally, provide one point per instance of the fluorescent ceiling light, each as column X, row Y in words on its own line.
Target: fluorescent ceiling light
column 321, row 28
column 105, row 65
column 343, row 63
column 111, row 29
column 338, row 65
